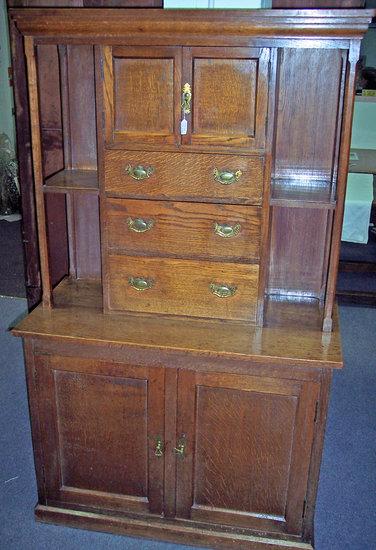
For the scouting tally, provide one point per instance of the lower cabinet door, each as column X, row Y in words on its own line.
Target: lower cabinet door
column 102, row 431
column 243, row 449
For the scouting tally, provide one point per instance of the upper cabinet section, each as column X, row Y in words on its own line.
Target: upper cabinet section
column 229, row 96
column 196, row 98
column 142, row 95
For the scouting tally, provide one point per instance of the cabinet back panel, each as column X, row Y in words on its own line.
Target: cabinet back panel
column 298, row 251
column 307, row 126
column 87, row 245
column 80, row 89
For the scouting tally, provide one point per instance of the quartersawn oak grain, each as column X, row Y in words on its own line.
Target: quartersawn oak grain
column 184, row 229
column 184, row 176
column 182, row 287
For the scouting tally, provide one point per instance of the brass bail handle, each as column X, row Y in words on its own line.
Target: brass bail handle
column 181, row 446
column 187, row 97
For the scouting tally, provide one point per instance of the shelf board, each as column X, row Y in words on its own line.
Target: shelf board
column 289, row 193
column 68, row 181
column 288, row 337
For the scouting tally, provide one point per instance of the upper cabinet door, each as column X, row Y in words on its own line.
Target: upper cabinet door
column 142, row 95
column 229, row 88
column 244, row 446
column 103, row 426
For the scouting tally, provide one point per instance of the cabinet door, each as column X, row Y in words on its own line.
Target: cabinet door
column 100, row 425
column 245, row 448
column 142, row 95
column 229, row 97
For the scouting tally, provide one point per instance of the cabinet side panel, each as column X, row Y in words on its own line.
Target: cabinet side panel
column 307, row 112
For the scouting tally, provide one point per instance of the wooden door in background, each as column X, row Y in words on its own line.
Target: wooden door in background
column 247, row 445
column 102, row 423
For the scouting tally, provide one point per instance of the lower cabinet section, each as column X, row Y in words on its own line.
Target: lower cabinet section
column 228, row 450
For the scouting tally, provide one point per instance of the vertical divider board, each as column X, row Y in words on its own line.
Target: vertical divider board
column 38, row 170
column 343, row 164
column 268, row 169
column 99, row 60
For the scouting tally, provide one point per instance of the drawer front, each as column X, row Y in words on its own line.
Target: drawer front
column 184, row 176
column 184, row 229
column 182, row 287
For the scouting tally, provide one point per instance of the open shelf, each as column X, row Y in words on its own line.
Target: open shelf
column 285, row 311
column 71, row 180
column 302, row 194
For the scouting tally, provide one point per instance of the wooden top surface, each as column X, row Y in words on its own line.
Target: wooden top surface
column 78, row 316
column 106, row 23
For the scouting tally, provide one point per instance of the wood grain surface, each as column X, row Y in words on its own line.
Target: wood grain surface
column 184, row 229
column 95, row 465
column 229, row 96
column 182, row 287
column 184, row 176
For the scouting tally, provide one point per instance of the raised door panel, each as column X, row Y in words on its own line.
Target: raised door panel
column 247, row 450
column 229, row 97
column 141, row 95
column 101, row 423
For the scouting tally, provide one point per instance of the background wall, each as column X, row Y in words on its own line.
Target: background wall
column 6, row 92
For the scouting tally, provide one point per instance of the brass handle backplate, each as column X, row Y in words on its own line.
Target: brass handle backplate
column 186, row 99
column 140, row 283
column 226, row 177
column 222, row 290
column 227, row 231
column 180, row 449
column 159, row 447
column 139, row 172
column 139, row 225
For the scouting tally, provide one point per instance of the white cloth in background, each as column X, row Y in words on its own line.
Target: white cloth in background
column 358, row 204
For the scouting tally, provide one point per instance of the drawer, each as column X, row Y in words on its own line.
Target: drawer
column 193, row 230
column 182, row 287
column 184, row 176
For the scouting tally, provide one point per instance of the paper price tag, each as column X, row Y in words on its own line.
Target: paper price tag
column 183, row 127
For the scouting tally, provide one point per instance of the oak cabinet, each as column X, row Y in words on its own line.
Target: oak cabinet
column 179, row 373
column 105, row 443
